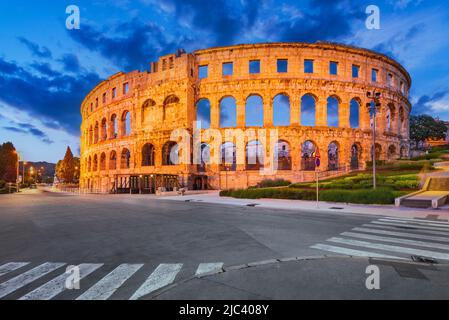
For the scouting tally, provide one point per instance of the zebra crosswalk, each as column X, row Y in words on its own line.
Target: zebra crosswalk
column 394, row 238
column 46, row 281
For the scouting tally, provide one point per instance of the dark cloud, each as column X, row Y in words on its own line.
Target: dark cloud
column 45, row 69
column 36, row 50
column 70, row 63
column 54, row 98
column 27, row 128
column 423, row 105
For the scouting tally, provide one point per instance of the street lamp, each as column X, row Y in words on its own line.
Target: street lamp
column 24, row 163
column 373, row 107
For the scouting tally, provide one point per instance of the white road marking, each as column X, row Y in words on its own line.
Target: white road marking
column 386, row 247
column 11, row 266
column 208, row 268
column 409, row 225
column 26, row 278
column 417, row 220
column 402, row 234
column 57, row 285
column 417, row 223
column 104, row 288
column 397, row 240
column 352, row 252
column 164, row 275
column 408, row 230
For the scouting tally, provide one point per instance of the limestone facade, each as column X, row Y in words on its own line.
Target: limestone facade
column 129, row 119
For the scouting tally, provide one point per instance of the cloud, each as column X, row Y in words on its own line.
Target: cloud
column 55, row 98
column 45, row 69
column 70, row 63
column 36, row 50
column 437, row 102
column 27, row 128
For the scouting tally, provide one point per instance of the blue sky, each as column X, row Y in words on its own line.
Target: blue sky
column 46, row 70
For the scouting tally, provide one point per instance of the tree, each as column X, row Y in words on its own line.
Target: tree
column 67, row 170
column 423, row 127
column 8, row 162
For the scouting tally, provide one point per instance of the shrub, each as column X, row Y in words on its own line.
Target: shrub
column 268, row 183
column 2, row 184
column 369, row 196
column 274, row 193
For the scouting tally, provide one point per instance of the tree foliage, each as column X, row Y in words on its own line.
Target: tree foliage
column 8, row 162
column 67, row 169
column 423, row 127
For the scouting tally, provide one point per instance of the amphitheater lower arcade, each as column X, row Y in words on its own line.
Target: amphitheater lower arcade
column 213, row 119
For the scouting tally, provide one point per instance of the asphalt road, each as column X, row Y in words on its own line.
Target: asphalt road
column 139, row 244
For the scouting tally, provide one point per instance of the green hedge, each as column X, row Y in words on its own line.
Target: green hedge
column 270, row 183
column 368, row 196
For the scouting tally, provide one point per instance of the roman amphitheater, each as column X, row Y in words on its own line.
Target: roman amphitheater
column 301, row 99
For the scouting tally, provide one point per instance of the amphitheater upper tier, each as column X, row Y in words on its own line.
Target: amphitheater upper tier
column 310, row 99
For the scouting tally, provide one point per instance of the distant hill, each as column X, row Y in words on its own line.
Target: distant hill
column 46, row 169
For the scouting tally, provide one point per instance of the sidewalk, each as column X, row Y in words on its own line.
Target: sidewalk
column 331, row 207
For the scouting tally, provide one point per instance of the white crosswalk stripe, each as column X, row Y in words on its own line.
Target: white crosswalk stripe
column 403, row 237
column 103, row 289
column 28, row 277
column 54, row 287
column 204, row 268
column 164, row 275
column 12, row 266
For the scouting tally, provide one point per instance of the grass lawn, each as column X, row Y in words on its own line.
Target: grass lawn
column 394, row 179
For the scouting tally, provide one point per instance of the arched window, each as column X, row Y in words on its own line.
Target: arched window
column 147, row 108
column 378, row 152
column 170, row 154
column 125, row 161
column 356, row 151
column 104, row 129
column 89, row 165
column 228, row 113
column 103, row 161
column 126, row 123
column 391, row 152
column 281, row 110
column 113, row 160
column 282, row 155
column 332, row 112
column 204, row 157
column 332, row 156
column 390, row 117
column 203, row 114
column 95, row 165
column 401, row 120
column 403, row 152
column 354, row 113
column 96, row 133
column 308, row 107
column 254, row 111
column 147, row 155
column 254, row 155
column 91, row 135
column 307, row 156
column 228, row 157
column 169, row 102
column 114, row 127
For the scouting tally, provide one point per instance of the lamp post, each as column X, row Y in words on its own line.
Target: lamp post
column 24, row 163
column 373, row 107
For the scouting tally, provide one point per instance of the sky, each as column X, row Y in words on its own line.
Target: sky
column 47, row 69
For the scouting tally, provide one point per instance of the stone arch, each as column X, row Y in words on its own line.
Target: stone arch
column 308, row 149
column 308, row 110
column 333, row 155
column 205, row 157
column 203, row 115
column 254, row 111
column 281, row 110
column 333, row 103
column 391, row 155
column 113, row 160
column 95, row 164
column 254, row 155
column 228, row 155
column 283, row 156
column 403, row 152
column 401, row 119
column 96, row 132
column 126, row 123
column 114, row 126
column 91, row 135
column 390, row 116
column 89, row 164
column 104, row 129
column 169, row 102
column 356, row 156
column 228, row 112
column 148, row 155
column 354, row 113
column 125, row 159
column 170, row 153
column 378, row 152
column 103, row 161
column 147, row 109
